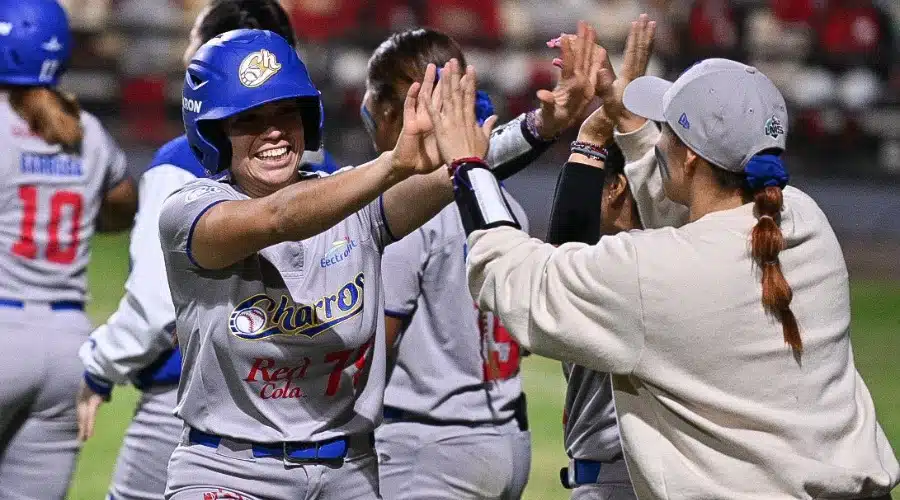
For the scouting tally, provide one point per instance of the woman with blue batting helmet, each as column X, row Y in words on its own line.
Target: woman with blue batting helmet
column 275, row 274
column 63, row 178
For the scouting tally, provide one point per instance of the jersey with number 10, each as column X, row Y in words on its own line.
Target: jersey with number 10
column 49, row 203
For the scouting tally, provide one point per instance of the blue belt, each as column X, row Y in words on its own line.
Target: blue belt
column 296, row 451
column 392, row 413
column 59, row 305
column 586, row 472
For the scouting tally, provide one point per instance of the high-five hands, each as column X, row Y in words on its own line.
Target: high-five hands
column 611, row 88
column 452, row 111
column 439, row 123
column 580, row 63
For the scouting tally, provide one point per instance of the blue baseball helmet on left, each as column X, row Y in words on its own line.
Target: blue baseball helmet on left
column 35, row 42
column 238, row 71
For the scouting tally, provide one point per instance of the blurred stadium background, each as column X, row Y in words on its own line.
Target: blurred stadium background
column 836, row 61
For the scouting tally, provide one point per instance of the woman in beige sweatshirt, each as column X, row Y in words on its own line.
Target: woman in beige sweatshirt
column 728, row 337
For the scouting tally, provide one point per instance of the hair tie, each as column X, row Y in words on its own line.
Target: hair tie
column 764, row 171
column 761, row 217
column 484, row 108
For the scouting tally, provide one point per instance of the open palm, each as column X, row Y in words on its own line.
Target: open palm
column 566, row 103
column 636, row 58
column 416, row 150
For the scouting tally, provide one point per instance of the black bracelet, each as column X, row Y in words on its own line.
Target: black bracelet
column 592, row 151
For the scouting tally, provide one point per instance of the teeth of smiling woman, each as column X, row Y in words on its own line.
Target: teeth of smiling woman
column 273, row 153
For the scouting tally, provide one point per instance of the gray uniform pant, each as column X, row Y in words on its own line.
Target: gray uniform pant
column 420, row 461
column 39, row 376
column 613, row 484
column 149, row 442
column 198, row 472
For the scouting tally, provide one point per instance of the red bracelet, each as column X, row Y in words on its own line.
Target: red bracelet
column 459, row 161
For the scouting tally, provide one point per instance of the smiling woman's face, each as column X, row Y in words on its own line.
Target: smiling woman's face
column 266, row 145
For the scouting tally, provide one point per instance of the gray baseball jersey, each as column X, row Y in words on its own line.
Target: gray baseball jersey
column 49, row 202
column 477, row 375
column 279, row 347
column 590, row 431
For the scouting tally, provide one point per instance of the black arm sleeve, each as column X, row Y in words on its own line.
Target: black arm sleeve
column 480, row 200
column 575, row 215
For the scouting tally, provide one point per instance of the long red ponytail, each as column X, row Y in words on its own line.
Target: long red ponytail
column 767, row 242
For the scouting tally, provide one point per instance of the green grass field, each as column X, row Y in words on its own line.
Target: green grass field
column 876, row 341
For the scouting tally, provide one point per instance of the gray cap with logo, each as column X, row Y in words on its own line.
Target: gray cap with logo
column 723, row 110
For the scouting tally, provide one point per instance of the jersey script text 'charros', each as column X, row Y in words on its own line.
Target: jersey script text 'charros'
column 261, row 316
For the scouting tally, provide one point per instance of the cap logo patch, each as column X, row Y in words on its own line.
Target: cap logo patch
column 257, row 68
column 774, row 127
column 683, row 121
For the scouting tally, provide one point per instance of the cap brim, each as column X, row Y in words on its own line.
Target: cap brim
column 644, row 97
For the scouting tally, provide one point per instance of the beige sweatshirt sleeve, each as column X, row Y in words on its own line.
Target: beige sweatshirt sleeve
column 645, row 181
column 575, row 302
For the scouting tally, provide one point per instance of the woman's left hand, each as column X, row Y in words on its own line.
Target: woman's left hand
column 416, row 149
column 581, row 59
column 452, row 110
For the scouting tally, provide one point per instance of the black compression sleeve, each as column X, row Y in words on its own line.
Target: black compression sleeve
column 575, row 214
column 480, row 199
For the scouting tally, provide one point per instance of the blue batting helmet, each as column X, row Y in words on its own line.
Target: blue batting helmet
column 237, row 71
column 35, row 42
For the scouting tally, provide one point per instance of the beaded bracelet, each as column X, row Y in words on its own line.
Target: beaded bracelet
column 531, row 125
column 455, row 164
column 592, row 151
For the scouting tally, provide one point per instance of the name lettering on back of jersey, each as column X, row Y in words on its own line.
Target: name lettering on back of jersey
column 191, row 105
column 339, row 251
column 50, row 164
column 261, row 316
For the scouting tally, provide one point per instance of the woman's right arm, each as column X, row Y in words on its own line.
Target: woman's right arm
column 575, row 303
column 228, row 230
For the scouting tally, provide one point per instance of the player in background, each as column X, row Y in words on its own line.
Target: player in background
column 455, row 419
column 707, row 370
column 284, row 368
column 596, row 171
column 137, row 343
column 63, row 176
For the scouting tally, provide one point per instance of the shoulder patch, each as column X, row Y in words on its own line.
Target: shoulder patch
column 198, row 192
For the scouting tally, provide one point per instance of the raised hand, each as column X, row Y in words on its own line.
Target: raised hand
column 452, row 111
column 564, row 106
column 416, row 149
column 610, row 87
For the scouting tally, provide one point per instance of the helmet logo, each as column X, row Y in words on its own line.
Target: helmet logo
column 52, row 45
column 257, row 68
column 5, row 28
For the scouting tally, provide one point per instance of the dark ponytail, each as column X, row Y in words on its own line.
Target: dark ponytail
column 766, row 241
